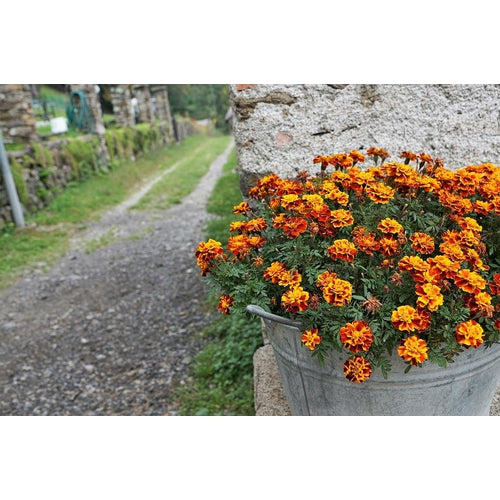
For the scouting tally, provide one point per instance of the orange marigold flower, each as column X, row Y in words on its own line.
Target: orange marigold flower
column 341, row 218
column 256, row 225
column 290, row 201
column 480, row 304
column 356, row 336
column 366, row 243
column 225, row 303
column 388, row 246
column 425, row 158
column 390, row 226
column 343, row 250
column 357, row 156
column 275, row 271
column 443, row 266
column 471, row 224
column 295, row 299
column 206, row 252
column 414, row 350
column 469, row 281
column 294, row 226
column 380, row 193
column 408, row 155
column 405, row 318
column 483, row 207
column 469, row 334
column 326, row 279
column 336, row 291
column 429, row 296
column 237, row 227
column 310, row 338
column 421, row 242
column 357, row 369
column 241, row 208
column 290, row 278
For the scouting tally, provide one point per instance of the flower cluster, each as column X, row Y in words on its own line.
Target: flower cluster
column 397, row 256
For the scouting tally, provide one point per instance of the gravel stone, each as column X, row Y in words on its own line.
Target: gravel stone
column 113, row 331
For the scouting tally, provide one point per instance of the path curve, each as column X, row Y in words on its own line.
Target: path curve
column 111, row 332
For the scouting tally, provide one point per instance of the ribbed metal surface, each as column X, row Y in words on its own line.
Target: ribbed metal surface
column 465, row 387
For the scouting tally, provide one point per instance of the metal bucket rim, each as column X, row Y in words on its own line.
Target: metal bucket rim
column 258, row 311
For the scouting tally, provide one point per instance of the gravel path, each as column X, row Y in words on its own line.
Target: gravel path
column 111, row 332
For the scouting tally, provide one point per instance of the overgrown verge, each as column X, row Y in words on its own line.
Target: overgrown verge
column 222, row 373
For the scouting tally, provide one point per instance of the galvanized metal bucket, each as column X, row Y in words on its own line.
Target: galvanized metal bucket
column 465, row 387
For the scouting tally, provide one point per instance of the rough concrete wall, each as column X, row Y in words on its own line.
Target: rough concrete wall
column 282, row 127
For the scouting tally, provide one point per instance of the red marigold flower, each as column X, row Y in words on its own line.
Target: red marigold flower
column 414, row 350
column 405, row 318
column 343, row 250
column 421, row 242
column 408, row 155
column 356, row 336
column 469, row 281
column 341, row 218
column 290, row 278
column 225, row 302
column 295, row 300
column 357, row 369
column 469, row 334
column 366, row 243
column 310, row 338
column 495, row 284
column 241, row 208
column 275, row 271
column 380, row 193
column 290, row 201
column 390, row 226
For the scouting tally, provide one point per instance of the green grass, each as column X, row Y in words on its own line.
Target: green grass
column 222, row 372
column 178, row 183
column 47, row 233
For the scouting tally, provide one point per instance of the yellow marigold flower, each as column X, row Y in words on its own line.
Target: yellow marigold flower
column 357, row 369
column 326, row 279
column 414, row 350
column 429, row 296
column 275, row 271
column 405, row 318
column 356, row 336
column 225, row 302
column 469, row 334
column 390, row 226
column 422, row 243
column 343, row 250
column 471, row 224
column 237, row 227
column 241, row 208
column 339, row 293
column 469, row 281
column 310, row 338
column 380, row 193
column 341, row 218
column 295, row 299
column 289, row 201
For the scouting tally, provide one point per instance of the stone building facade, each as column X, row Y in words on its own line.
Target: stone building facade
column 281, row 128
column 17, row 118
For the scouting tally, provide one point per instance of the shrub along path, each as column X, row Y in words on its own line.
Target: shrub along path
column 111, row 328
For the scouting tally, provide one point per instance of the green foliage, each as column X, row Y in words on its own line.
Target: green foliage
column 200, row 101
column 17, row 175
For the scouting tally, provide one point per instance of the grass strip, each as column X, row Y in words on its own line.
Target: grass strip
column 222, row 373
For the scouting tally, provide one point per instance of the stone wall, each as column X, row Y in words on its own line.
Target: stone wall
column 281, row 128
column 43, row 169
column 17, row 119
column 122, row 106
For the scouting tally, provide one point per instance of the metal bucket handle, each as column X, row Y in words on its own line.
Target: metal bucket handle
column 257, row 310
